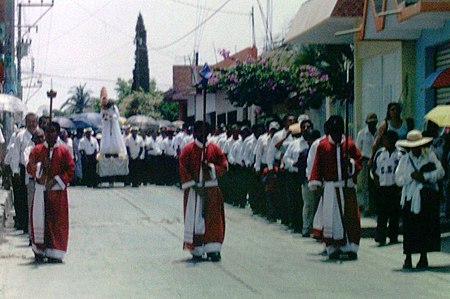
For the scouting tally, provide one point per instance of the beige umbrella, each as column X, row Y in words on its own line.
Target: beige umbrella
column 11, row 103
column 440, row 115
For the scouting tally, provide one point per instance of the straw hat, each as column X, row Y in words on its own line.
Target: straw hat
column 371, row 118
column 414, row 139
column 295, row 129
column 88, row 130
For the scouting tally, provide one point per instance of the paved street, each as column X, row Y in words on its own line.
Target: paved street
column 127, row 243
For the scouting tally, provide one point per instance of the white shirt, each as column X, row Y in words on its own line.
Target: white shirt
column 274, row 153
column 385, row 164
column 2, row 138
column 188, row 138
column 168, row 147
column 221, row 140
column 234, row 153
column 261, row 150
column 10, row 149
column 293, row 152
column 312, row 155
column 364, row 141
column 229, row 143
column 178, row 140
column 152, row 147
column 89, row 146
column 21, row 142
column 134, row 145
column 69, row 145
column 411, row 188
column 248, row 150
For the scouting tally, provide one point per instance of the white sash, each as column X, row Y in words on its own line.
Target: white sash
column 332, row 223
column 194, row 223
column 38, row 214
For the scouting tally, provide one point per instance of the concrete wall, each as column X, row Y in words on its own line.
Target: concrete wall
column 391, row 79
column 425, row 49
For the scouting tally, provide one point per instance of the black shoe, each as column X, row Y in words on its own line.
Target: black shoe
column 335, row 255
column 382, row 242
column 407, row 264
column 52, row 260
column 197, row 257
column 422, row 264
column 38, row 258
column 393, row 241
column 350, row 256
column 306, row 235
column 214, row 256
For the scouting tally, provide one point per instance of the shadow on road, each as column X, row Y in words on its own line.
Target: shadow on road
column 369, row 233
column 437, row 269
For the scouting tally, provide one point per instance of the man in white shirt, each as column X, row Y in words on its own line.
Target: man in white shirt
column 153, row 157
column 254, row 188
column 135, row 146
column 292, row 175
column 227, row 180
column 169, row 152
column 277, row 148
column 364, row 142
column 21, row 142
column 88, row 149
column 265, row 207
column 236, row 166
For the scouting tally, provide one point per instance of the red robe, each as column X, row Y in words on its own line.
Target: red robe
column 329, row 172
column 56, row 210
column 213, row 217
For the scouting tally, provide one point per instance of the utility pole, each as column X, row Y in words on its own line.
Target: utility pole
column 19, row 53
column 253, row 27
column 20, row 41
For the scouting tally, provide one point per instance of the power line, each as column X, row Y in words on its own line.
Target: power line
column 193, row 30
column 76, row 78
column 90, row 15
column 210, row 9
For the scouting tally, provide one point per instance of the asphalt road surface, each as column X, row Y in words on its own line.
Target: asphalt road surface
column 127, row 243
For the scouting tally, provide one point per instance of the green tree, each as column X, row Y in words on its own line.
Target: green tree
column 141, row 73
column 169, row 110
column 78, row 101
column 330, row 59
column 132, row 102
column 123, row 89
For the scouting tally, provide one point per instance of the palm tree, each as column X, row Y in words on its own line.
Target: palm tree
column 80, row 100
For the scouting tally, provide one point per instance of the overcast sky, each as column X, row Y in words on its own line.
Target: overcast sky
column 85, row 41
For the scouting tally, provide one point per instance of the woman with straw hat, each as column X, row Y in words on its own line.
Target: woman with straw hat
column 418, row 172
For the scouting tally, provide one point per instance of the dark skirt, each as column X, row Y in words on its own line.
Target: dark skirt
column 421, row 232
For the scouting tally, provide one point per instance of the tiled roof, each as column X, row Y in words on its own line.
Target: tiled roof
column 348, row 8
column 243, row 55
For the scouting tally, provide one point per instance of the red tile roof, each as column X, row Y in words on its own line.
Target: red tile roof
column 242, row 56
column 348, row 8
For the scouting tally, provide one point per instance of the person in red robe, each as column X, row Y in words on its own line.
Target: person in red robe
column 52, row 166
column 203, row 207
column 335, row 167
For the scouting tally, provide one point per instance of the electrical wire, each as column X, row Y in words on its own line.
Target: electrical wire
column 90, row 15
column 193, row 30
column 236, row 13
column 77, row 78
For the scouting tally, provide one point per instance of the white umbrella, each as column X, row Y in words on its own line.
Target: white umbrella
column 11, row 103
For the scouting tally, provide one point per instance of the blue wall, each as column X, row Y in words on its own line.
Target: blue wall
column 425, row 48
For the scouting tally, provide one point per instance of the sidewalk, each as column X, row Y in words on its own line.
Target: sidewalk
column 5, row 209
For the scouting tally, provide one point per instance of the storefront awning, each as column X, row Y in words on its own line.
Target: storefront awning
column 325, row 22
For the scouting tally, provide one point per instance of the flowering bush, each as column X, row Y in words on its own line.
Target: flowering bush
column 261, row 83
column 312, row 86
